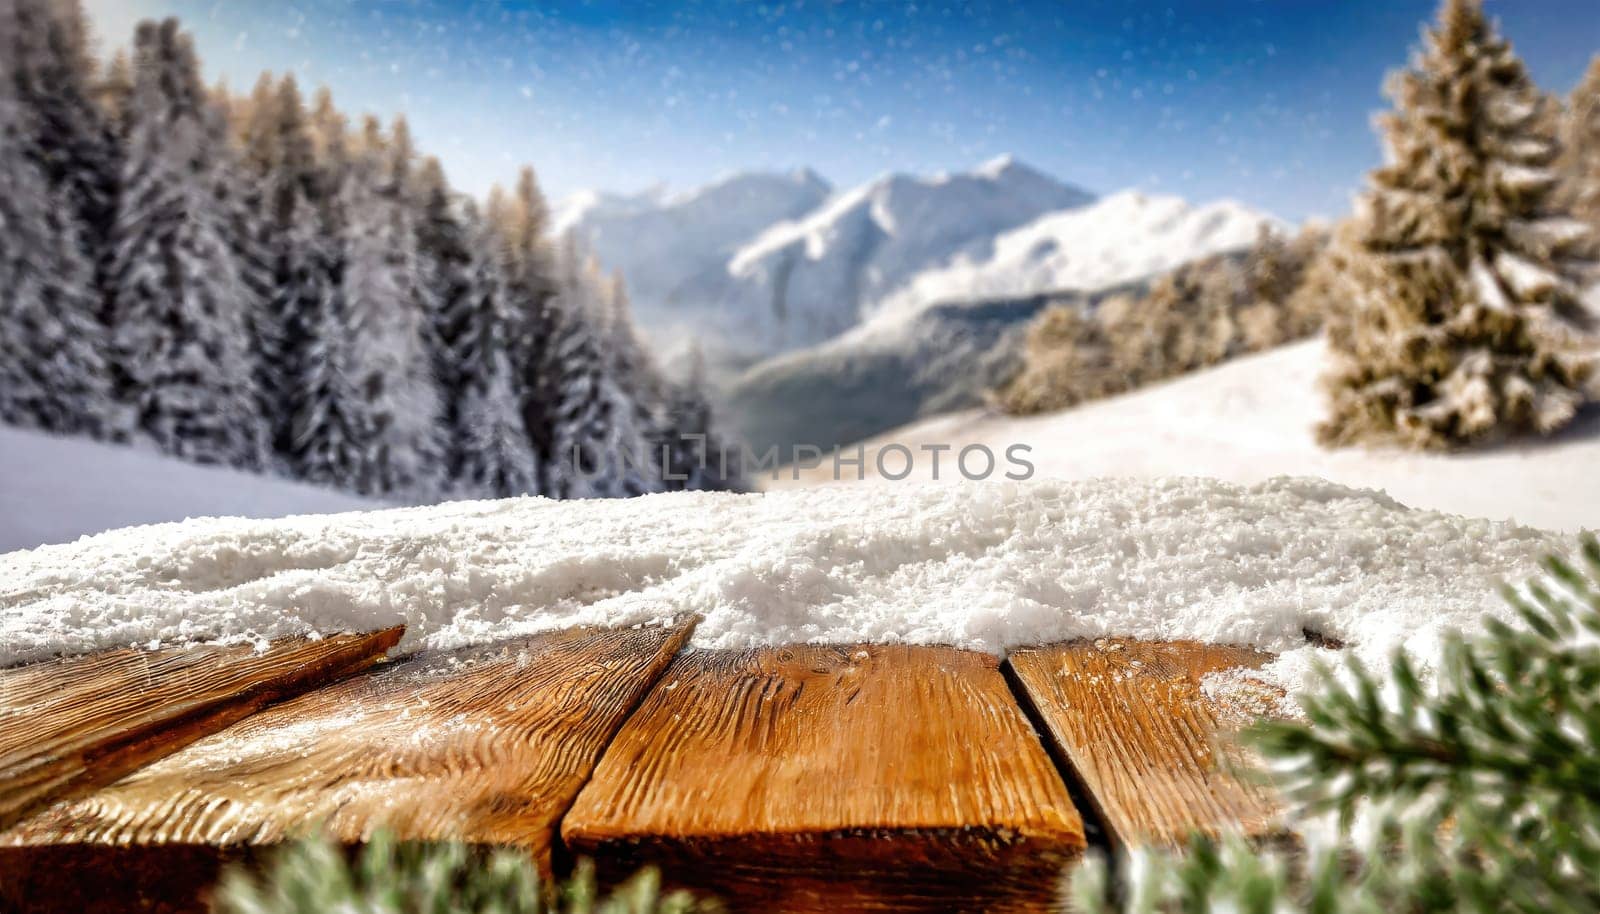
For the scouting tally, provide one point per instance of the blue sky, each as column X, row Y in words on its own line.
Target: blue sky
column 1265, row 101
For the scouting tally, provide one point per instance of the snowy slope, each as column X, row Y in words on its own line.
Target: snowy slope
column 1124, row 237
column 886, row 373
column 54, row 490
column 803, row 282
column 1250, row 420
column 981, row 566
column 660, row 241
column 944, row 338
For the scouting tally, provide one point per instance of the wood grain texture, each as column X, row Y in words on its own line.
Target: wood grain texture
column 487, row 746
column 871, row 778
column 1141, row 737
column 69, row 726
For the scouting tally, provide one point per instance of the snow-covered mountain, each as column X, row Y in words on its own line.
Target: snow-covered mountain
column 803, row 282
column 660, row 241
column 946, row 337
column 1123, row 237
column 825, row 318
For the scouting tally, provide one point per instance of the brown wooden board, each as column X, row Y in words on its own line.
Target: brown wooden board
column 872, row 778
column 1141, row 737
column 69, row 726
column 487, row 745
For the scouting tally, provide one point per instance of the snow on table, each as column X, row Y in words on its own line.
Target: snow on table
column 987, row 567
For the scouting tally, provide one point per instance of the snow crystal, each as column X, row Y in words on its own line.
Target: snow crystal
column 983, row 566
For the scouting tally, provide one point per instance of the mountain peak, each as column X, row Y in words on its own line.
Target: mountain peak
column 1009, row 168
column 999, row 165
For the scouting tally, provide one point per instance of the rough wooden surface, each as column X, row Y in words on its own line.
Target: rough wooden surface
column 868, row 778
column 69, row 726
column 1139, row 734
column 487, row 746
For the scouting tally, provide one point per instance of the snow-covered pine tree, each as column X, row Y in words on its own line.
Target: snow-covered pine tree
column 332, row 429
column 297, row 257
column 69, row 138
column 333, row 424
column 1275, row 269
column 54, row 372
column 696, row 456
column 520, row 220
column 386, row 322
column 495, row 454
column 600, row 449
column 1067, row 359
column 112, row 91
column 487, row 449
column 1186, row 322
column 180, row 304
column 1457, row 318
column 457, row 272
column 1581, row 149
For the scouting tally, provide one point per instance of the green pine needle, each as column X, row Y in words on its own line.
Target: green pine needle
column 1481, row 788
column 315, row 876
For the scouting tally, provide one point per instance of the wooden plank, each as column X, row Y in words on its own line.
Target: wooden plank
column 487, row 745
column 69, row 726
column 871, row 778
column 1141, row 737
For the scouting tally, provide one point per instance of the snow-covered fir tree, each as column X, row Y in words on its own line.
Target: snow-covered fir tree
column 332, row 436
column 68, row 136
column 496, row 457
column 692, row 452
column 54, row 370
column 1457, row 317
column 1581, row 149
column 287, row 295
column 599, row 445
column 180, row 303
column 462, row 280
column 386, row 323
column 487, row 449
column 112, row 91
column 520, row 220
column 296, row 250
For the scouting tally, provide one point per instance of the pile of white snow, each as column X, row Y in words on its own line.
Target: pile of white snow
column 54, row 490
column 983, row 566
column 1249, row 420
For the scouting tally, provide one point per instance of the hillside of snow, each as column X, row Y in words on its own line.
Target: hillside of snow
column 987, row 567
column 55, row 490
column 886, row 373
column 953, row 332
column 1123, row 237
column 1251, row 420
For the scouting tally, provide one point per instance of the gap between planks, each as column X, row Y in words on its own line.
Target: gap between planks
column 829, row 778
column 1137, row 732
column 92, row 835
